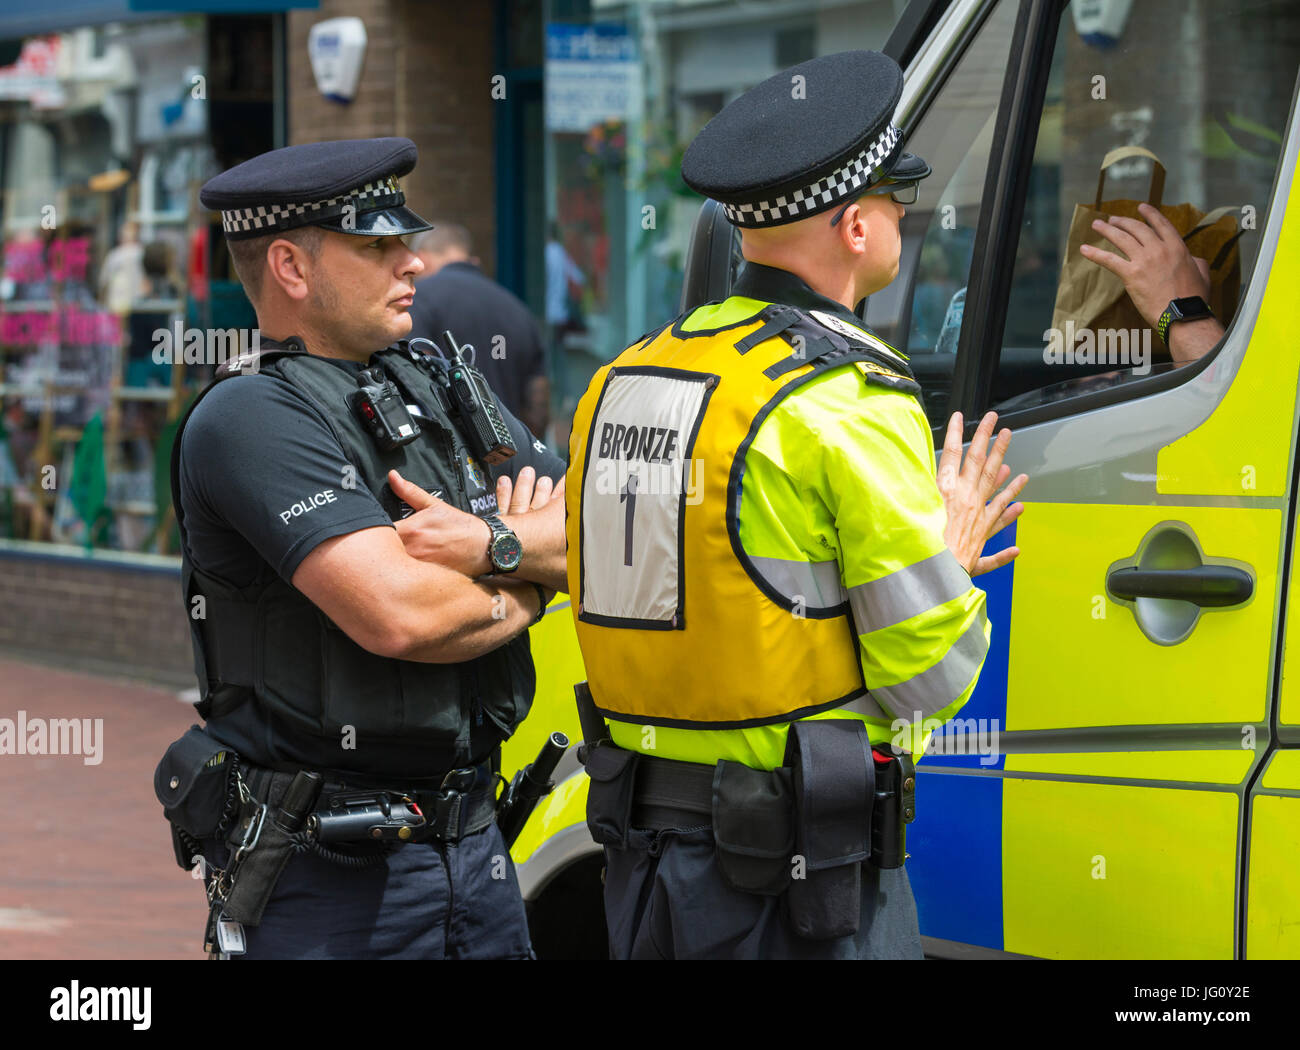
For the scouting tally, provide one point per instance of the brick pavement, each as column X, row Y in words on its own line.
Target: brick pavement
column 86, row 868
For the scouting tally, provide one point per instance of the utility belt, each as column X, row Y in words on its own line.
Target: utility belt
column 352, row 814
column 267, row 816
column 801, row 832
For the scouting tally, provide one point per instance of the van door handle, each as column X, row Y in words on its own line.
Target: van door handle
column 1207, row 586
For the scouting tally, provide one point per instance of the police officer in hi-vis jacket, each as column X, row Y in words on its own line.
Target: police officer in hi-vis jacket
column 766, row 578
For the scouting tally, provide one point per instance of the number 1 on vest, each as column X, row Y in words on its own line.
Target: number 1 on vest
column 628, row 496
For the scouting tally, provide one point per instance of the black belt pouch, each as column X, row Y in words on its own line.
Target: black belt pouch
column 609, row 798
column 191, row 781
column 753, row 827
column 834, row 787
column 257, row 873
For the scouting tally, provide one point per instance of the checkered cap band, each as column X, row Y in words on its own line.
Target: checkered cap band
column 858, row 173
column 383, row 193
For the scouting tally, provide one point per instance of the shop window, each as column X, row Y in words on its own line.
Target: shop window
column 108, row 134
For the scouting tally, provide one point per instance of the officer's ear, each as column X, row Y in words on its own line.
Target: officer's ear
column 289, row 264
column 852, row 229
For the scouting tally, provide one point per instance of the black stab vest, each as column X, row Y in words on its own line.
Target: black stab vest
column 281, row 683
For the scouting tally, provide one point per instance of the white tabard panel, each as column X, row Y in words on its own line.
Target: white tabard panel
column 632, row 495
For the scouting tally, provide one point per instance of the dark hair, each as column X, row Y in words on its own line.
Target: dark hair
column 249, row 256
column 157, row 259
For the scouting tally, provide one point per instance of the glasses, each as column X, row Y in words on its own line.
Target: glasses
column 899, row 192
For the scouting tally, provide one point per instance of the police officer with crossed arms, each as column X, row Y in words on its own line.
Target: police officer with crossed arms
column 367, row 537
column 786, row 607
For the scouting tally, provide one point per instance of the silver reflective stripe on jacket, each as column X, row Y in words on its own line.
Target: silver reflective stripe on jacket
column 908, row 592
column 817, row 584
column 936, row 687
column 864, row 704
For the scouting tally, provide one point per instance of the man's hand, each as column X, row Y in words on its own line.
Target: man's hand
column 438, row 532
column 534, row 508
column 531, row 506
column 968, row 488
column 1156, row 267
column 532, row 492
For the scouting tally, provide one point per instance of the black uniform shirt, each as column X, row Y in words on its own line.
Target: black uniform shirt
column 255, row 447
column 477, row 310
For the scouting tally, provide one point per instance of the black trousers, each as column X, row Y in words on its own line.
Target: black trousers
column 460, row 902
column 665, row 898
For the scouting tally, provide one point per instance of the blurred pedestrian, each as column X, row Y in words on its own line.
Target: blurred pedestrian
column 561, row 272
column 459, row 297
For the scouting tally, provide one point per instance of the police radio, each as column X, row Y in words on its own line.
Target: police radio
column 378, row 404
column 470, row 399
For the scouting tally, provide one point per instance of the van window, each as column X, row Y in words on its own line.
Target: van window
column 921, row 311
column 1203, row 86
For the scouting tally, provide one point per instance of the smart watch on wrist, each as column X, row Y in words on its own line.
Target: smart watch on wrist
column 504, row 549
column 1191, row 308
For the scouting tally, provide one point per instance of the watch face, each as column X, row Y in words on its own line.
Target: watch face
column 1189, row 307
column 506, row 552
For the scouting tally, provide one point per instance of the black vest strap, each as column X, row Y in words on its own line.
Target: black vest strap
column 649, row 337
column 814, row 344
column 777, row 319
column 187, row 567
column 810, row 341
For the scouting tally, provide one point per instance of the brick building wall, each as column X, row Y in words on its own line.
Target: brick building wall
column 427, row 76
column 108, row 618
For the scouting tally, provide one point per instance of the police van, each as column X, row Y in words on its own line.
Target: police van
column 1125, row 781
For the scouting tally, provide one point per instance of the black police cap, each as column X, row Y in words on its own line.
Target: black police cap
column 804, row 140
column 348, row 186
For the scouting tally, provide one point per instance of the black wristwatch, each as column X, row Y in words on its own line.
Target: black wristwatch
column 504, row 549
column 1192, row 308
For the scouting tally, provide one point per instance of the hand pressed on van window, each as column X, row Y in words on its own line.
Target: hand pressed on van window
column 974, row 512
column 1157, row 266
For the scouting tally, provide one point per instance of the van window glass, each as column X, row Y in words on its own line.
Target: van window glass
column 921, row 311
column 1203, row 86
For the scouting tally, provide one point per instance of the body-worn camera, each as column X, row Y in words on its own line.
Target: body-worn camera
column 379, row 405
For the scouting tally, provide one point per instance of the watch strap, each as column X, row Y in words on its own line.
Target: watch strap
column 1162, row 326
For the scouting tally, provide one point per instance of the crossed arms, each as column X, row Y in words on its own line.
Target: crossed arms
column 413, row 592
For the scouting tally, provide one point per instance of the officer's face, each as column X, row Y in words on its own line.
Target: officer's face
column 879, row 263
column 362, row 288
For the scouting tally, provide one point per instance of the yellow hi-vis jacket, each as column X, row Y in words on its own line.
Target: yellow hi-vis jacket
column 755, row 536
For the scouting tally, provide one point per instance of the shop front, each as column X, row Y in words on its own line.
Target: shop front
column 110, row 293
